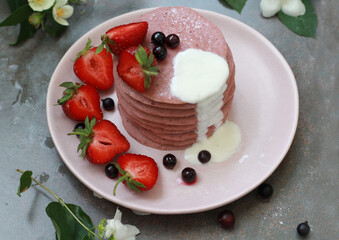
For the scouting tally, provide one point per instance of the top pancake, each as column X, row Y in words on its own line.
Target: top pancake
column 194, row 31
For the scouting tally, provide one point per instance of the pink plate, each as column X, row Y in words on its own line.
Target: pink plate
column 265, row 107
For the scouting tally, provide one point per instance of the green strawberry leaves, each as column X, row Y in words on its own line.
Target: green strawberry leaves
column 305, row 25
column 130, row 182
column 85, row 50
column 25, row 182
column 85, row 135
column 146, row 62
column 66, row 227
column 71, row 90
column 105, row 41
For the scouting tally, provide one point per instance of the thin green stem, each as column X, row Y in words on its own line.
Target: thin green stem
column 63, row 204
column 121, row 179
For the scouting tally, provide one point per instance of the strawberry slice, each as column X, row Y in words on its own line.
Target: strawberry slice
column 121, row 37
column 136, row 67
column 80, row 101
column 94, row 69
column 100, row 141
column 138, row 172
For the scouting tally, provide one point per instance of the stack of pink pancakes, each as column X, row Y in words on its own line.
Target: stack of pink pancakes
column 156, row 118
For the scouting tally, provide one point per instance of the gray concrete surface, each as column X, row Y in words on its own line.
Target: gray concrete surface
column 305, row 184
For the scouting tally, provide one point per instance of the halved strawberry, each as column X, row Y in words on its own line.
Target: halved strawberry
column 100, row 141
column 94, row 69
column 138, row 172
column 136, row 67
column 121, row 37
column 80, row 101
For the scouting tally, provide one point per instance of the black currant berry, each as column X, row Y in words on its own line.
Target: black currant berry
column 160, row 52
column 169, row 161
column 172, row 40
column 303, row 229
column 111, row 171
column 265, row 190
column 204, row 156
column 226, row 219
column 158, row 38
column 108, row 104
column 188, row 175
column 79, row 126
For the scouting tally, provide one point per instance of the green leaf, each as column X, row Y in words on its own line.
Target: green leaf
column 237, row 5
column 18, row 16
column 100, row 48
column 25, row 182
column 138, row 184
column 26, row 31
column 141, row 56
column 66, row 227
column 15, row 4
column 305, row 25
column 52, row 27
column 67, row 84
column 131, row 186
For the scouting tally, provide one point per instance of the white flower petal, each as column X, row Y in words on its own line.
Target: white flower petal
column 132, row 230
column 293, row 8
column 121, row 231
column 110, row 228
column 61, row 21
column 68, row 11
column 270, row 7
column 61, row 2
column 118, row 215
column 40, row 5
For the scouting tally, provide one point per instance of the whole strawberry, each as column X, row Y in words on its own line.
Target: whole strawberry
column 100, row 141
column 121, row 37
column 94, row 67
column 80, row 101
column 136, row 67
column 138, row 172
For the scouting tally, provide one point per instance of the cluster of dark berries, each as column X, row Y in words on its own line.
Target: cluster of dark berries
column 159, row 40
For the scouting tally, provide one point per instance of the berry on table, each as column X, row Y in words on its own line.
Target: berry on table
column 204, row 156
column 226, row 219
column 188, row 175
column 111, row 171
column 160, row 52
column 158, row 38
column 169, row 161
column 265, row 190
column 303, row 229
column 172, row 40
column 108, row 104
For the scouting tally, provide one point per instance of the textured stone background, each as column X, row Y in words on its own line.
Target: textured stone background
column 305, row 184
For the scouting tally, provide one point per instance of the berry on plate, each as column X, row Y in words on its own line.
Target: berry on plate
column 80, row 101
column 100, row 141
column 122, row 37
column 138, row 172
column 94, row 68
column 136, row 67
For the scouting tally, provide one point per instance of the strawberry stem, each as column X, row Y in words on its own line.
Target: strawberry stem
column 121, row 179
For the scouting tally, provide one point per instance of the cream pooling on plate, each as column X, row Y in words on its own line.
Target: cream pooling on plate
column 199, row 78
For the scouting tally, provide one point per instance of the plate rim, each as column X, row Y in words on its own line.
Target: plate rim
column 196, row 209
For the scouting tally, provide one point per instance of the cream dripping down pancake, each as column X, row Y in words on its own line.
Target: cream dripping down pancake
column 161, row 118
